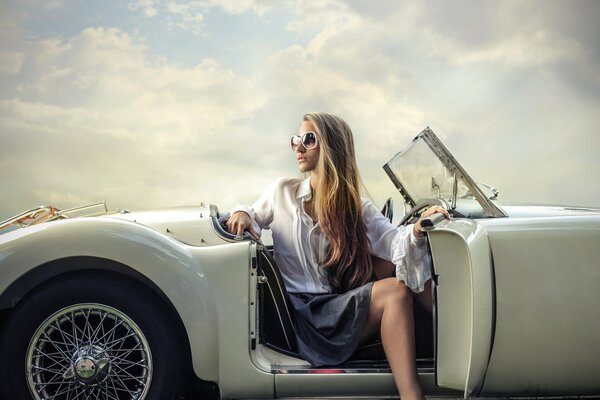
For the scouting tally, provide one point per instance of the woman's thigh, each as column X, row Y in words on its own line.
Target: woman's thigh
column 386, row 293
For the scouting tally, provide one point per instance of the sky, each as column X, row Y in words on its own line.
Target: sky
column 149, row 104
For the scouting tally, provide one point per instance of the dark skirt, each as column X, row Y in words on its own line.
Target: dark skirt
column 329, row 326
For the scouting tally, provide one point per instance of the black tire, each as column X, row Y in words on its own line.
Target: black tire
column 35, row 339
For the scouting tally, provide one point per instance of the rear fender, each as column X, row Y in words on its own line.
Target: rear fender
column 168, row 264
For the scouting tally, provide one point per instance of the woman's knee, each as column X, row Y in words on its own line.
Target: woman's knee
column 393, row 292
column 401, row 293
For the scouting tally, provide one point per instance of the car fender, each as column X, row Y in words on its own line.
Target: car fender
column 169, row 264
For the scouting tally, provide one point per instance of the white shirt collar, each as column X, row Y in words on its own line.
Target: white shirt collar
column 304, row 191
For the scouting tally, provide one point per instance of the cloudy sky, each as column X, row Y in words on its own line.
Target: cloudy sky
column 155, row 103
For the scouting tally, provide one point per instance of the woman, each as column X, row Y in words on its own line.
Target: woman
column 324, row 235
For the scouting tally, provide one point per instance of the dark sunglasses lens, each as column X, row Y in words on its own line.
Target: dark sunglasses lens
column 309, row 140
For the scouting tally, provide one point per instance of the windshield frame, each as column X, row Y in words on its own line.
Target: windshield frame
column 448, row 160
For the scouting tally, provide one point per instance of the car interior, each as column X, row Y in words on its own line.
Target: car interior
column 276, row 322
column 277, row 326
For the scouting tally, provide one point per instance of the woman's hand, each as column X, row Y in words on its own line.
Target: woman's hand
column 240, row 222
column 417, row 229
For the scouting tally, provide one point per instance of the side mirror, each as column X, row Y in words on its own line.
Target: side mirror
column 490, row 191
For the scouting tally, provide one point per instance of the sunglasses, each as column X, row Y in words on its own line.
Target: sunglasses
column 308, row 141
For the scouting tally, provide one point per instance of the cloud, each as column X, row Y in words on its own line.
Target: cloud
column 530, row 49
column 512, row 90
column 186, row 15
column 109, row 118
column 495, row 89
column 11, row 62
column 259, row 7
column 148, row 7
column 54, row 4
column 190, row 15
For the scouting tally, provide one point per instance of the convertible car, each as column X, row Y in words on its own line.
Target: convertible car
column 167, row 305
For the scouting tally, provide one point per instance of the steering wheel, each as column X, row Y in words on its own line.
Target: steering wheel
column 413, row 215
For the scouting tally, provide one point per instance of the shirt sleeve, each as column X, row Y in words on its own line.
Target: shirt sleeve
column 261, row 210
column 399, row 245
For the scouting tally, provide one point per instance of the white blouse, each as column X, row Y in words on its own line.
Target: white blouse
column 299, row 244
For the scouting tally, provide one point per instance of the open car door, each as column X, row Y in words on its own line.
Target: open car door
column 426, row 172
column 463, row 304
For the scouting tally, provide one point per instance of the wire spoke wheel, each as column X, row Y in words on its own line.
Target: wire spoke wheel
column 88, row 351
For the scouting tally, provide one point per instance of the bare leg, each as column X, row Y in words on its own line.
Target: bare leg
column 386, row 269
column 391, row 311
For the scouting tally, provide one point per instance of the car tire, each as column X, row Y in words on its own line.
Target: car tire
column 90, row 336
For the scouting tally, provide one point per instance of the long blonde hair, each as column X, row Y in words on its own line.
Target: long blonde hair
column 338, row 204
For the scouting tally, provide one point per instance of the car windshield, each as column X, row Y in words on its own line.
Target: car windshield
column 427, row 170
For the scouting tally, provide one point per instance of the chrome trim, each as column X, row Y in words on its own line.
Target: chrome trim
column 287, row 340
column 382, row 369
column 282, row 294
column 253, row 296
column 61, row 213
column 492, row 189
column 33, row 214
column 331, row 370
column 447, row 159
column 450, row 162
column 41, row 214
column 214, row 217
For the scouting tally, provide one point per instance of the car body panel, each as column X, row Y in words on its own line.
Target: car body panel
column 180, row 223
column 166, row 262
column 229, row 275
column 335, row 383
column 464, row 308
column 547, row 334
column 548, row 211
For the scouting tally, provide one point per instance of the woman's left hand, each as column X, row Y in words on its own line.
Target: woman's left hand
column 417, row 230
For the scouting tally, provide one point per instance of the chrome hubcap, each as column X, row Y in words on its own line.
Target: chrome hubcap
column 85, row 368
column 89, row 351
column 91, row 365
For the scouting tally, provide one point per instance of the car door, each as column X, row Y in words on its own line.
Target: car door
column 463, row 304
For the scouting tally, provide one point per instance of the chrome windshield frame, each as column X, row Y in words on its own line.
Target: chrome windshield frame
column 448, row 160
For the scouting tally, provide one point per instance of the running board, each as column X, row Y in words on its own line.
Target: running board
column 423, row 366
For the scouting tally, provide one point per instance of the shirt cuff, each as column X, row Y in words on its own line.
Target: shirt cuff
column 415, row 240
column 242, row 208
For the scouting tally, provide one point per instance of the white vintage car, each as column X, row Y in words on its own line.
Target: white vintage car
column 167, row 305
